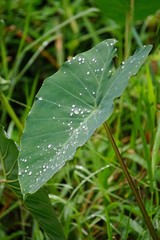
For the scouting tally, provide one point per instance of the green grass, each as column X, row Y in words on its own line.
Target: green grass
column 90, row 194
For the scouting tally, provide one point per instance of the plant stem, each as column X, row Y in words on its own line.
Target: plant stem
column 131, row 184
column 128, row 29
column 11, row 112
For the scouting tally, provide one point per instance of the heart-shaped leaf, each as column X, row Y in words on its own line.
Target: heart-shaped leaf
column 70, row 105
column 38, row 203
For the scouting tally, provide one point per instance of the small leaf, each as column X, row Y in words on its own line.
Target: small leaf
column 38, row 204
column 69, row 107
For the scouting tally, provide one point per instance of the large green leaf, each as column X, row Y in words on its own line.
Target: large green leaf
column 38, row 204
column 117, row 10
column 69, row 107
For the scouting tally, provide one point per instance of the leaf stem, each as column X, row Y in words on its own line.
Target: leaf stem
column 131, row 184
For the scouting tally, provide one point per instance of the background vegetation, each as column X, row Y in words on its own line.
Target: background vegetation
column 90, row 194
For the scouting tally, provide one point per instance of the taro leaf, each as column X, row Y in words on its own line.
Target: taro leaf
column 117, row 10
column 70, row 105
column 38, row 204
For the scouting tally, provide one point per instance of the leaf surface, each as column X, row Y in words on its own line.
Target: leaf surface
column 69, row 107
column 38, row 204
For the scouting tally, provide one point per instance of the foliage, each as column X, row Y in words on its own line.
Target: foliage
column 118, row 11
column 56, row 125
column 38, row 204
column 90, row 195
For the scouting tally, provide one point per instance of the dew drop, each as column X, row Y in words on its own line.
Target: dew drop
column 45, row 43
column 76, row 111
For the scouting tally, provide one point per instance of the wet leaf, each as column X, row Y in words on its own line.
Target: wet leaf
column 69, row 107
column 38, row 204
